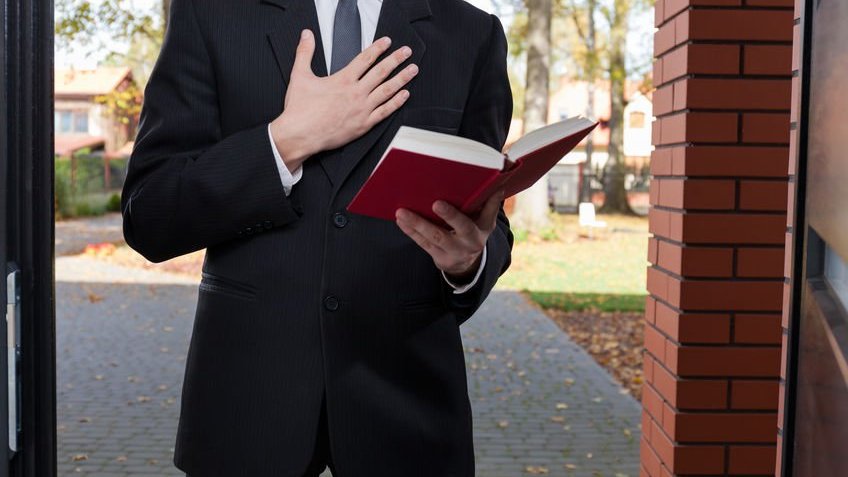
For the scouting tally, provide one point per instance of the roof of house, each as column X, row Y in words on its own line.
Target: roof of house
column 89, row 82
column 67, row 144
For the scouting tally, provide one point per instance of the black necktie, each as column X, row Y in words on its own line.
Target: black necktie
column 347, row 36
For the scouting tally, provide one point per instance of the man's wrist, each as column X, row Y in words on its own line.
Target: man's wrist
column 466, row 276
column 293, row 149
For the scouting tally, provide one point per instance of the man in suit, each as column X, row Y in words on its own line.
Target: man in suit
column 321, row 338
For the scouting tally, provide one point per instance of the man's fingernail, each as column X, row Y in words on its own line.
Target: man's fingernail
column 304, row 34
column 386, row 40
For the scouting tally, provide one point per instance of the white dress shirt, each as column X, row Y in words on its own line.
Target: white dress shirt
column 369, row 13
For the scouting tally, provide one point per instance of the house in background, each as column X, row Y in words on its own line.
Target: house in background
column 571, row 98
column 81, row 122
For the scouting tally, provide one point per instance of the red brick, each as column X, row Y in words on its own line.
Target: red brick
column 655, row 342
column 754, row 395
column 735, row 93
column 763, row 25
column 662, row 99
column 793, row 152
column 695, row 261
column 697, row 460
column 698, row 127
column 760, row 262
column 661, row 444
column 657, row 73
column 658, row 222
column 652, row 402
column 765, row 128
column 658, row 13
column 646, row 425
column 701, row 59
column 649, row 459
column 768, row 60
column 713, row 361
column 794, row 99
column 757, row 328
column 752, row 460
column 652, row 250
column 796, row 40
column 729, row 295
column 657, row 284
column 763, row 195
column 648, row 368
column 733, row 228
column 692, row 328
column 661, row 162
column 650, row 308
column 665, row 223
column 664, row 39
column 690, row 393
column 718, row 427
column 730, row 161
column 696, row 194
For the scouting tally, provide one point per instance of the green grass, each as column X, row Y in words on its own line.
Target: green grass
column 562, row 269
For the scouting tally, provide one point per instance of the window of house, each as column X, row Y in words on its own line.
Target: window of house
column 637, row 119
column 71, row 121
column 80, row 121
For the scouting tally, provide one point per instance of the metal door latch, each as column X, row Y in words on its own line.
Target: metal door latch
column 13, row 347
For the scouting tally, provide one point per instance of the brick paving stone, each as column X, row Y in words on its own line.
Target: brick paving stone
column 540, row 402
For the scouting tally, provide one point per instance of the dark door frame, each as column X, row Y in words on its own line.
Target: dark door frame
column 26, row 160
column 801, row 240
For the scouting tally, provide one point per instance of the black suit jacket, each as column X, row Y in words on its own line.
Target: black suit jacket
column 299, row 297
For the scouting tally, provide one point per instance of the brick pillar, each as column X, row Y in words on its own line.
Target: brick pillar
column 718, row 219
column 790, row 220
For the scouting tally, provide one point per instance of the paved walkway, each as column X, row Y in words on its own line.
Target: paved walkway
column 541, row 405
column 73, row 235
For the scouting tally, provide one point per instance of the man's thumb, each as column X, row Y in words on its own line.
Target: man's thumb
column 303, row 55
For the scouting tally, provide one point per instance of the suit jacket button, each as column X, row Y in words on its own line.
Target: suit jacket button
column 268, row 224
column 339, row 219
column 259, row 227
column 248, row 230
column 331, row 303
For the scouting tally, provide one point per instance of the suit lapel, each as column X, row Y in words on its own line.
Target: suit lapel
column 394, row 22
column 300, row 14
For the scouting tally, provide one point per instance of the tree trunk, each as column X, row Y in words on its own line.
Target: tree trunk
column 531, row 206
column 591, row 77
column 615, row 194
column 166, row 8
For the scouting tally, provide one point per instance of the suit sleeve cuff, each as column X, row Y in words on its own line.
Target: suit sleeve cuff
column 287, row 177
column 457, row 289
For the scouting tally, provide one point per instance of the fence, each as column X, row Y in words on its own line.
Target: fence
column 88, row 184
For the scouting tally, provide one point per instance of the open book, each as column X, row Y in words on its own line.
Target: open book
column 421, row 166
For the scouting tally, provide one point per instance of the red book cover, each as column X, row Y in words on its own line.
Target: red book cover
column 420, row 167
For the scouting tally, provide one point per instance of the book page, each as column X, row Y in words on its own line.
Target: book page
column 445, row 146
column 546, row 135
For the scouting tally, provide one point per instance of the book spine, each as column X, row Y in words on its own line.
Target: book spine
column 475, row 201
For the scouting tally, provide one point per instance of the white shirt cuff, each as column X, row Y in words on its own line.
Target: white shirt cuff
column 457, row 289
column 287, row 177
